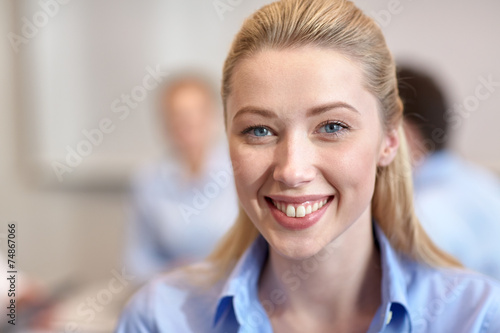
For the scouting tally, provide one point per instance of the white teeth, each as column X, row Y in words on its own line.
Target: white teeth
column 301, row 211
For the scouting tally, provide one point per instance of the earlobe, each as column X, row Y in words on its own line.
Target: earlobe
column 389, row 148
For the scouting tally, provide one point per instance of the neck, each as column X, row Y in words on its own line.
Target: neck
column 340, row 284
column 194, row 160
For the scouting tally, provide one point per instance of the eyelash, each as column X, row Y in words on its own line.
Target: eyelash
column 340, row 123
column 344, row 126
column 251, row 128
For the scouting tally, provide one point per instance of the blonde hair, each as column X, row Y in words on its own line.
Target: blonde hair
column 341, row 26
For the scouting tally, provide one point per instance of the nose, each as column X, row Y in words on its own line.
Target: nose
column 294, row 162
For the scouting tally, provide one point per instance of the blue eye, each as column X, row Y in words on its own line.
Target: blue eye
column 260, row 131
column 331, row 128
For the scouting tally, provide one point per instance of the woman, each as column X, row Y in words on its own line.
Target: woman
column 326, row 239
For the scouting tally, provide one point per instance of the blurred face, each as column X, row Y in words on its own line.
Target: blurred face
column 189, row 113
column 305, row 138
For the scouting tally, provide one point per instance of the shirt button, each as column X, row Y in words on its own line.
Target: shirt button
column 389, row 317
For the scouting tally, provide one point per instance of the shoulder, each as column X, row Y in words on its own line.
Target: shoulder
column 458, row 300
column 172, row 302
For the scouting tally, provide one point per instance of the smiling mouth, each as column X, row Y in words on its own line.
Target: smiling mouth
column 299, row 209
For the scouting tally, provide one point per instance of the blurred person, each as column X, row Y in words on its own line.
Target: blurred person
column 326, row 238
column 457, row 202
column 183, row 204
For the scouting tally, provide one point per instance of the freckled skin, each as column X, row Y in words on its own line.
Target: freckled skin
column 298, row 158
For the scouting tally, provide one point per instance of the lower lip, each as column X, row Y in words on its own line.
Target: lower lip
column 297, row 223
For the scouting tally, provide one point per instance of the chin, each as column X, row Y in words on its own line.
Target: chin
column 297, row 247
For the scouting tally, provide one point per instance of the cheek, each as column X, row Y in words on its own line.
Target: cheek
column 250, row 169
column 352, row 171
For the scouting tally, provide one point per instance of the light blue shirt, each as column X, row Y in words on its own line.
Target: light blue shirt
column 415, row 298
column 458, row 205
column 175, row 220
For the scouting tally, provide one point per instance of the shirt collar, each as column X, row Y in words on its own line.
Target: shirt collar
column 394, row 305
column 241, row 285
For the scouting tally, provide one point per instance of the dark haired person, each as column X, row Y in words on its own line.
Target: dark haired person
column 457, row 202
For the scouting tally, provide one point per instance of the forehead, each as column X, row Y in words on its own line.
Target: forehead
column 292, row 79
column 186, row 88
column 186, row 96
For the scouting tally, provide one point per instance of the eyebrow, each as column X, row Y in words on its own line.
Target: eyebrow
column 254, row 110
column 327, row 107
column 311, row 112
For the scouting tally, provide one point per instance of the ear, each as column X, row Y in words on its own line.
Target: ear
column 389, row 148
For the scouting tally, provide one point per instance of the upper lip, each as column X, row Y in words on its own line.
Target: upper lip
column 298, row 199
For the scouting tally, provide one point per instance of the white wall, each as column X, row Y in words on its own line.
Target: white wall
column 61, row 233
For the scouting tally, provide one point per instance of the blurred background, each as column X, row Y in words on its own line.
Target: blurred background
column 78, row 118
